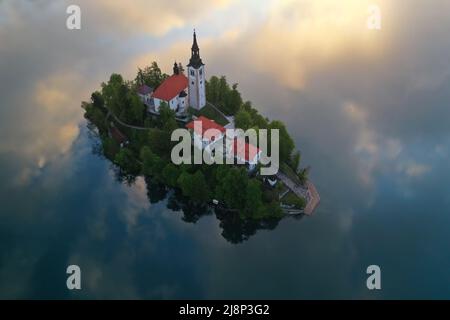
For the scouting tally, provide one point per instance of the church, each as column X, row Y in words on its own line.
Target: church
column 179, row 91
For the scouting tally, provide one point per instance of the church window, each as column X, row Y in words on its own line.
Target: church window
column 192, row 73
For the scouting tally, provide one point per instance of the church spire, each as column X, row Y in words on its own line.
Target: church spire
column 195, row 61
column 195, row 44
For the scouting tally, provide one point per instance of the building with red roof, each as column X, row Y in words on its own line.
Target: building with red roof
column 173, row 91
column 206, row 132
column 245, row 152
column 180, row 91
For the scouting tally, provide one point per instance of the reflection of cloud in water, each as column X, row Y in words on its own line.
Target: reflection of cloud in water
column 369, row 113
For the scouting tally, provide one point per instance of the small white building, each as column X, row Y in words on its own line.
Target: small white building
column 173, row 91
column 245, row 153
column 206, row 133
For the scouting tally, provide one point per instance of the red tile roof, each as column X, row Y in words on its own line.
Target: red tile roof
column 171, row 87
column 244, row 150
column 206, row 124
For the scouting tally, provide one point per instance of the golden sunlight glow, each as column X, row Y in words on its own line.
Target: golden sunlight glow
column 308, row 34
column 152, row 17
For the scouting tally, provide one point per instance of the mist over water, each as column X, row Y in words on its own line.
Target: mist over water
column 369, row 112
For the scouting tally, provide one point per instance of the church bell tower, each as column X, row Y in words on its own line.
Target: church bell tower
column 196, row 76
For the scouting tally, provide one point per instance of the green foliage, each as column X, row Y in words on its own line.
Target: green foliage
column 126, row 160
column 258, row 120
column 233, row 100
column 219, row 93
column 110, row 147
column 253, row 197
column 167, row 120
column 114, row 93
column 137, row 108
column 170, row 174
column 159, row 142
column 270, row 195
column 243, row 120
column 194, row 186
column 122, row 101
column 152, row 164
column 294, row 200
column 231, row 187
column 303, row 175
column 210, row 113
column 97, row 100
column 286, row 143
column 96, row 116
column 295, row 162
column 150, row 76
column 272, row 210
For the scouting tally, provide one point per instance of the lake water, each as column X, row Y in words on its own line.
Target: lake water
column 374, row 130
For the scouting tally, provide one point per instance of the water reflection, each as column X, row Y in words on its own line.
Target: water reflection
column 374, row 125
column 233, row 228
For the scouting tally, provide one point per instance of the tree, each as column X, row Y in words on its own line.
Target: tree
column 109, row 147
column 171, row 174
column 257, row 119
column 140, row 80
column 151, row 76
column 137, row 109
column 243, row 120
column 97, row 100
column 286, row 143
column 233, row 100
column 194, row 186
column 167, row 119
column 212, row 90
column 159, row 142
column 227, row 99
column 111, row 92
column 253, row 198
column 126, row 161
column 303, row 175
column 152, row 165
column 232, row 186
column 296, row 161
column 96, row 116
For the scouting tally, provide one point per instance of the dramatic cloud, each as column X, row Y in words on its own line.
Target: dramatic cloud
column 140, row 17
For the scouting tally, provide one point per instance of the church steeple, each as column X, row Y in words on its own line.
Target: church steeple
column 195, row 60
column 195, row 49
column 197, row 77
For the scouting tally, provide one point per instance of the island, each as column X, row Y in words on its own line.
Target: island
column 134, row 121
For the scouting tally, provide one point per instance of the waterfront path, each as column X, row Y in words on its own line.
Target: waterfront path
column 308, row 192
column 133, row 126
column 125, row 124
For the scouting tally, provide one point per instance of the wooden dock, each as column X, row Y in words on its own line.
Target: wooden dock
column 313, row 199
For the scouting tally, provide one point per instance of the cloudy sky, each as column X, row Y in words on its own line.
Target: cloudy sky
column 313, row 64
column 362, row 105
